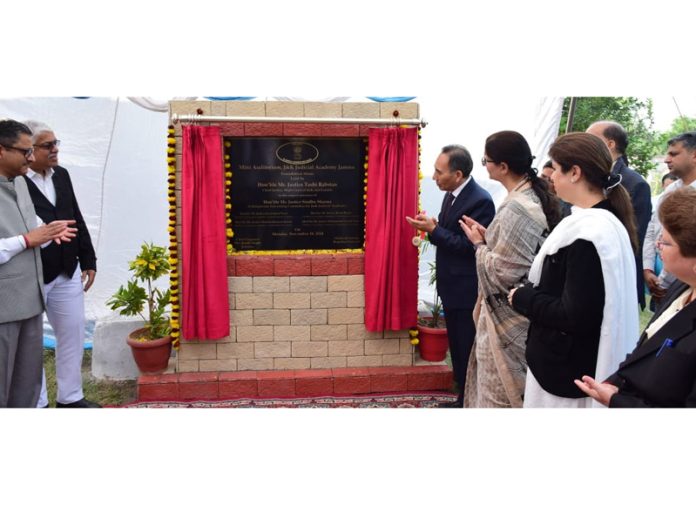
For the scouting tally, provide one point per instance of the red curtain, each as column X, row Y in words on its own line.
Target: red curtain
column 391, row 260
column 205, row 304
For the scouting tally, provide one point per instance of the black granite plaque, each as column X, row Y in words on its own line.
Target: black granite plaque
column 297, row 193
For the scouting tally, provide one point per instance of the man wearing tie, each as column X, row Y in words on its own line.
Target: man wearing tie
column 457, row 283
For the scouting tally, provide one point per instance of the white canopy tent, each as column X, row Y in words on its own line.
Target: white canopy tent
column 115, row 150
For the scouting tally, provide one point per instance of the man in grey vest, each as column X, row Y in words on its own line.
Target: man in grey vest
column 21, row 276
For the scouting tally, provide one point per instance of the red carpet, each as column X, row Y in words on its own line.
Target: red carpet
column 418, row 399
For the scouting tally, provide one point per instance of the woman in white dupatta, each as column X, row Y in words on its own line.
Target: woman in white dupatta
column 582, row 298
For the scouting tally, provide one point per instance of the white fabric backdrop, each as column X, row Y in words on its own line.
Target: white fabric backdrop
column 115, row 151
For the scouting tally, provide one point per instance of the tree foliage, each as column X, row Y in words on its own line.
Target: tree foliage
column 679, row 125
column 634, row 114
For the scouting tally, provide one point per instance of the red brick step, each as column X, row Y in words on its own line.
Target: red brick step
column 292, row 383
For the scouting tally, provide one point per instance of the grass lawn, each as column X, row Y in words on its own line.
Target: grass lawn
column 645, row 316
column 105, row 392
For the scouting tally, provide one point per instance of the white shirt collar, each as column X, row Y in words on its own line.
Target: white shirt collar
column 459, row 189
column 33, row 175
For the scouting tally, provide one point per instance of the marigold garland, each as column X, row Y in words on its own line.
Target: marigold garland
column 367, row 147
column 175, row 315
column 413, row 332
column 228, row 199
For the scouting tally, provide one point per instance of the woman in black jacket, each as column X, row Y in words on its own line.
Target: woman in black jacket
column 581, row 302
column 661, row 371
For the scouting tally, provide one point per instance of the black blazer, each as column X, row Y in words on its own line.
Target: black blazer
column 565, row 312
column 63, row 258
column 457, row 282
column 639, row 191
column 645, row 379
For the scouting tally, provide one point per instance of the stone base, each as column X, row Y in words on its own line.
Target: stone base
column 111, row 356
column 292, row 383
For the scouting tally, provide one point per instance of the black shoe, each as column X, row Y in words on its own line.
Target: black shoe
column 456, row 404
column 79, row 404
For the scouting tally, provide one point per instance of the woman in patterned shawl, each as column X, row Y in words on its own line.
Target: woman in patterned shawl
column 504, row 253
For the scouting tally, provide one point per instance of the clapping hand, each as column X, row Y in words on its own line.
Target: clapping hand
column 511, row 295
column 474, row 231
column 421, row 222
column 59, row 231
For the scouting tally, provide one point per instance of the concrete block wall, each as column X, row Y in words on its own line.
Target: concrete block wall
column 284, row 321
column 296, row 311
column 407, row 110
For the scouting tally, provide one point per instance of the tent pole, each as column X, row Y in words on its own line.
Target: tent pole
column 571, row 113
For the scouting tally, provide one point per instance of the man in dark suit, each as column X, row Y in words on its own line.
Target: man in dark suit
column 616, row 139
column 54, row 199
column 457, row 283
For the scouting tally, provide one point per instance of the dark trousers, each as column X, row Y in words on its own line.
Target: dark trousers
column 21, row 359
column 460, row 332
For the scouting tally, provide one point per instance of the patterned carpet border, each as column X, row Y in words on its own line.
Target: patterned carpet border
column 396, row 400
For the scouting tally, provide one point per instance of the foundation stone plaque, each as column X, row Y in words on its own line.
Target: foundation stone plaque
column 297, row 193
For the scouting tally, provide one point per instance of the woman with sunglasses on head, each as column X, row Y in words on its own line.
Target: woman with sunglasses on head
column 582, row 298
column 504, row 253
column 661, row 371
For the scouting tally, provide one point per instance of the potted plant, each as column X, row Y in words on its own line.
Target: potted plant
column 431, row 334
column 151, row 345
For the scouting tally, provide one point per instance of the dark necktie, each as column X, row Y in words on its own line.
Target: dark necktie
column 447, row 205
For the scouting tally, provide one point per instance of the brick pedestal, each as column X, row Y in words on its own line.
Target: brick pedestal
column 292, row 383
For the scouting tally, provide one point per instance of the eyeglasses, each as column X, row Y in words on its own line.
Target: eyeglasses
column 48, row 145
column 485, row 160
column 26, row 152
column 661, row 243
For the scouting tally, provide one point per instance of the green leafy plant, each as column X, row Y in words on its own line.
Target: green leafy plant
column 434, row 318
column 149, row 265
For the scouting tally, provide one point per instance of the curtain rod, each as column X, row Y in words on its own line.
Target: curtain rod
column 192, row 118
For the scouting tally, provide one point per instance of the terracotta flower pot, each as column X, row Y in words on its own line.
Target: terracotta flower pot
column 151, row 356
column 433, row 343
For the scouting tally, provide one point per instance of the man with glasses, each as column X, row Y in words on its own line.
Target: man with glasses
column 21, row 283
column 52, row 192
column 681, row 161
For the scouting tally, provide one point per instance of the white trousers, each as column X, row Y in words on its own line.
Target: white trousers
column 65, row 308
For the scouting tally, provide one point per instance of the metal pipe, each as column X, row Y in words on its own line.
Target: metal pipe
column 571, row 113
column 193, row 118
